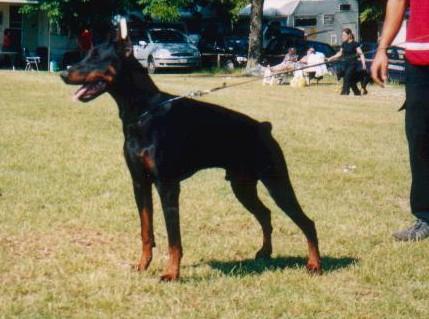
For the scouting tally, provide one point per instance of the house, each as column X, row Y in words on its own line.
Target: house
column 33, row 32
column 322, row 20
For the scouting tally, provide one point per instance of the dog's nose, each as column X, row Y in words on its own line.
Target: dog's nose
column 64, row 75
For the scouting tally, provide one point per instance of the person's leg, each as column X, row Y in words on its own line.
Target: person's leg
column 417, row 130
column 354, row 80
column 348, row 73
column 277, row 67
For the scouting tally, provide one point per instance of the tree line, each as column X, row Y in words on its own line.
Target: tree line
column 98, row 13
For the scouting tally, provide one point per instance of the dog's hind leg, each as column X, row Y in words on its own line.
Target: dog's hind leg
column 364, row 83
column 169, row 195
column 280, row 188
column 275, row 177
column 246, row 193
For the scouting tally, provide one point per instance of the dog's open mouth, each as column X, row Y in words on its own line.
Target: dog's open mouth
column 90, row 91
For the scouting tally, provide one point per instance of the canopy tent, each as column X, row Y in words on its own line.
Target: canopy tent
column 274, row 8
column 18, row 1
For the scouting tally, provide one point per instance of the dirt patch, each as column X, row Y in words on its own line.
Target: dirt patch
column 45, row 245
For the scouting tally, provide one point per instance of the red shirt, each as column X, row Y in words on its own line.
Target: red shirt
column 7, row 42
column 417, row 47
column 85, row 40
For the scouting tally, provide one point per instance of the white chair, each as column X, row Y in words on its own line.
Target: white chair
column 31, row 62
column 318, row 70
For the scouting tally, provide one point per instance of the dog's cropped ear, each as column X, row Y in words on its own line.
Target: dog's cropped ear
column 123, row 41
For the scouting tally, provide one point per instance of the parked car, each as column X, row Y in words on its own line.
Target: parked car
column 396, row 55
column 369, row 49
column 226, row 51
column 162, row 48
column 230, row 50
column 270, row 29
column 396, row 65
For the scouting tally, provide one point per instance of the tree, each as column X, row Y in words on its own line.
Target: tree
column 164, row 10
column 371, row 11
column 255, row 36
column 75, row 14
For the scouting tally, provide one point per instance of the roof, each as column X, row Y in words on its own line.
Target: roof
column 283, row 8
column 316, row 7
column 275, row 8
column 19, row 1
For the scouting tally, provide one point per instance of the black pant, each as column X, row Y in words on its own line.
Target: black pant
column 417, row 129
column 350, row 79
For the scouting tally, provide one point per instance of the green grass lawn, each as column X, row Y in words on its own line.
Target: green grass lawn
column 69, row 229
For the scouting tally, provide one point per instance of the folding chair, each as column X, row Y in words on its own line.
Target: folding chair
column 31, row 62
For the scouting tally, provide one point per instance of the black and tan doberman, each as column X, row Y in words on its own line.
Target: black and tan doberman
column 169, row 140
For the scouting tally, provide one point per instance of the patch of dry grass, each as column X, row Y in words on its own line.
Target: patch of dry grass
column 69, row 230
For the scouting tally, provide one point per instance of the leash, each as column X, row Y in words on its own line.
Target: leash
column 200, row 93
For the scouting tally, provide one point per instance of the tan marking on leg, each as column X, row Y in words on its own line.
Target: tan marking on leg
column 313, row 264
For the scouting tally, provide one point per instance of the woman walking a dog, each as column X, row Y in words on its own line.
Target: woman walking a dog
column 349, row 50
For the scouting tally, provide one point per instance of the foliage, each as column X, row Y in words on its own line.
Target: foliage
column 165, row 10
column 75, row 14
column 371, row 11
column 168, row 10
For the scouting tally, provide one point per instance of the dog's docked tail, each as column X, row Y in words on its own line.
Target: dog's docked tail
column 265, row 129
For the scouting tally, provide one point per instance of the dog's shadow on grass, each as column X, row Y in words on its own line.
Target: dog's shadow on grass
column 253, row 267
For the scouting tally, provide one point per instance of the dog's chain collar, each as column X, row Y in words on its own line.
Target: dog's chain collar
column 154, row 105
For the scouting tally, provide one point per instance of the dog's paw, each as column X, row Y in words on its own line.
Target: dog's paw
column 143, row 264
column 138, row 267
column 169, row 277
column 314, row 268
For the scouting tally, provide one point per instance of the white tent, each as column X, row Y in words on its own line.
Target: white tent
column 325, row 19
column 275, row 8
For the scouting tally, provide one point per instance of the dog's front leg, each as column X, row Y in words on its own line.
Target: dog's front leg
column 169, row 195
column 143, row 195
column 142, row 185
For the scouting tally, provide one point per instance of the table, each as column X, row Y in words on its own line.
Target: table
column 218, row 57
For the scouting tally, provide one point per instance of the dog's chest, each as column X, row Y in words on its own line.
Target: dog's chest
column 141, row 137
column 141, row 153
column 139, row 145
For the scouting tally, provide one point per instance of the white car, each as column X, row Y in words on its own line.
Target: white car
column 160, row 48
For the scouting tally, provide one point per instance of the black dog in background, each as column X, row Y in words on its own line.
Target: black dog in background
column 167, row 141
column 361, row 76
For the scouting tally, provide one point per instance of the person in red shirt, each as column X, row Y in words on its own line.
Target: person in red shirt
column 7, row 41
column 417, row 102
column 85, row 40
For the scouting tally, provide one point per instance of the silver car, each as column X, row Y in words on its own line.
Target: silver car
column 166, row 48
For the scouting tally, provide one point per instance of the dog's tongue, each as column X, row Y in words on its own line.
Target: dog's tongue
column 80, row 92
